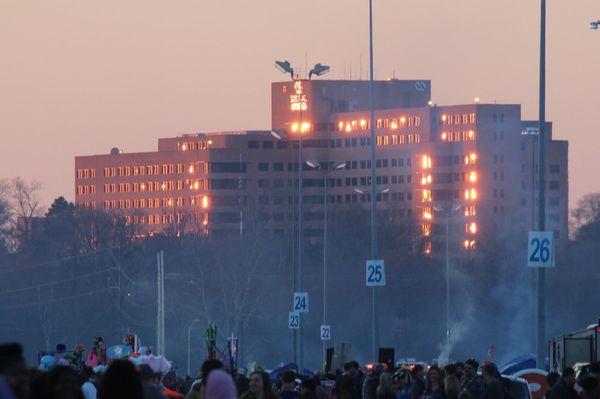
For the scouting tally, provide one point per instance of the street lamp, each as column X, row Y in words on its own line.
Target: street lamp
column 189, row 346
column 285, row 67
column 318, row 70
column 595, row 25
column 448, row 212
column 333, row 167
column 364, row 190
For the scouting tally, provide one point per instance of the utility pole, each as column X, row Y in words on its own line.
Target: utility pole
column 374, row 246
column 541, row 277
column 160, row 317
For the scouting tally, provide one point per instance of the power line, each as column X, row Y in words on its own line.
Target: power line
column 54, row 262
column 54, row 282
column 57, row 300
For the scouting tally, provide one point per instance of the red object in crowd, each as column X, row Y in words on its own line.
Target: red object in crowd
column 169, row 393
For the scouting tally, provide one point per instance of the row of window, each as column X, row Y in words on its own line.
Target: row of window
column 85, row 190
column 458, row 119
column 396, row 139
column 381, row 123
column 85, row 173
column 465, row 135
column 193, row 145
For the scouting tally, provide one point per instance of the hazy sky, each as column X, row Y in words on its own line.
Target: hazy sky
column 79, row 77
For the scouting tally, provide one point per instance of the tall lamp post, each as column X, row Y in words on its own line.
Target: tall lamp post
column 189, row 345
column 374, row 244
column 333, row 167
column 447, row 212
column 541, row 277
column 300, row 104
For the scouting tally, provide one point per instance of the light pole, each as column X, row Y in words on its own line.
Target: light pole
column 448, row 212
column 374, row 244
column 189, row 346
column 319, row 166
column 299, row 103
column 541, row 278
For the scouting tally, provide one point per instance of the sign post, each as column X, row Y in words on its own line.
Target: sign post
column 325, row 333
column 540, row 249
column 300, row 304
column 375, row 273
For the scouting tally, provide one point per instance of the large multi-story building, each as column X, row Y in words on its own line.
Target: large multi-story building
column 469, row 166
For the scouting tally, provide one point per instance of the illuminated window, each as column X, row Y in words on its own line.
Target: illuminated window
column 471, row 228
column 341, row 126
column 205, row 202
column 363, row 124
column 444, row 119
column 444, row 136
column 471, row 159
column 426, row 230
column 426, row 162
column 471, row 194
column 472, row 176
column 470, row 210
column 402, row 121
column 379, row 123
column 427, row 248
column 426, row 196
column 427, row 213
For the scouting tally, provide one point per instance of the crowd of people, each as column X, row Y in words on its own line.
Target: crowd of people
column 124, row 379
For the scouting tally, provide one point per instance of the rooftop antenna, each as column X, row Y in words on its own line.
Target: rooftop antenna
column 360, row 68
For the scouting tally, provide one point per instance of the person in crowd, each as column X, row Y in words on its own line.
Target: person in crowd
column 220, row 385
column 150, row 380
column 259, row 387
column 471, row 382
column 493, row 386
column 590, row 387
column 308, row 389
column 551, row 379
column 417, row 387
column 451, row 386
column 288, row 385
column 402, row 381
column 564, row 387
column 242, row 383
column 460, row 367
column 349, row 384
column 14, row 376
column 198, row 386
column 434, row 386
column 320, row 390
column 121, row 381
column 88, row 388
column 385, row 389
column 63, row 383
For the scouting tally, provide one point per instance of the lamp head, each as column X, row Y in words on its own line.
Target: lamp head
column 319, row 70
column 285, row 67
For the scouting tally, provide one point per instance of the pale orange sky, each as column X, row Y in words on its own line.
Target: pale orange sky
column 79, row 77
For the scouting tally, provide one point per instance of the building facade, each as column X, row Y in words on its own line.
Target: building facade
column 470, row 168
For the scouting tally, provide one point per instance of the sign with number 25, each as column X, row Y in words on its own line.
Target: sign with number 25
column 540, row 249
column 375, row 273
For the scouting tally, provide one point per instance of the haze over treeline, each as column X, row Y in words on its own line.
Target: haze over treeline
column 75, row 274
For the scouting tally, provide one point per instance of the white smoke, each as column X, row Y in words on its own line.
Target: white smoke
column 460, row 324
